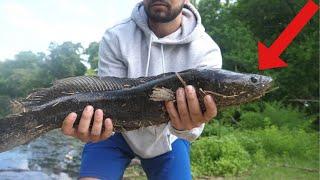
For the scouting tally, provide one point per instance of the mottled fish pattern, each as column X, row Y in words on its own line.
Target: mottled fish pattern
column 131, row 103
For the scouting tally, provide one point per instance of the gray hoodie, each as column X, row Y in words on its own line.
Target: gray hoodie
column 131, row 49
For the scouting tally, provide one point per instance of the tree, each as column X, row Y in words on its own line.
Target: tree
column 93, row 52
column 29, row 71
column 20, row 75
column 236, row 41
column 65, row 60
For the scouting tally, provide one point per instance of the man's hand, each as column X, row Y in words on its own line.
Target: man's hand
column 82, row 132
column 189, row 114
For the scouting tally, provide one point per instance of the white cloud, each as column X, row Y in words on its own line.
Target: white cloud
column 19, row 16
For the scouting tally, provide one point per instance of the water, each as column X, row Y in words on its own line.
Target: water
column 52, row 156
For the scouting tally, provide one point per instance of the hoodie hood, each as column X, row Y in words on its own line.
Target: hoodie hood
column 191, row 27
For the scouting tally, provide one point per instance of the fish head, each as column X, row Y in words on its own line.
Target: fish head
column 232, row 87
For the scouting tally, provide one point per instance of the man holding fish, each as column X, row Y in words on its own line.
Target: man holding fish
column 160, row 36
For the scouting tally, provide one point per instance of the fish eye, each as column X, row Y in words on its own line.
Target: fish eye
column 254, row 79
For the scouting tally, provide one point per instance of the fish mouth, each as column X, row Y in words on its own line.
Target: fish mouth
column 270, row 89
column 268, row 85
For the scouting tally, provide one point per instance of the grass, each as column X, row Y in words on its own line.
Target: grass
column 281, row 173
column 271, row 171
column 285, row 169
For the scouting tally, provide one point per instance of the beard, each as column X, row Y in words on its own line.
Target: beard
column 161, row 16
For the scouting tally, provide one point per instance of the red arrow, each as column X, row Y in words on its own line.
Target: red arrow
column 269, row 57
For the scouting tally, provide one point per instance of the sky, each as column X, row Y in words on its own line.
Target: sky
column 32, row 24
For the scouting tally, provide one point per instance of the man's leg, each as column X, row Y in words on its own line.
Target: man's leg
column 107, row 159
column 172, row 165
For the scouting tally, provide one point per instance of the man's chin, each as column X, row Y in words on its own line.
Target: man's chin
column 159, row 12
column 160, row 19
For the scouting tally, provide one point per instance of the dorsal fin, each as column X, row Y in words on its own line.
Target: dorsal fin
column 79, row 84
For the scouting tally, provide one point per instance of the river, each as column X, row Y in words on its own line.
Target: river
column 51, row 156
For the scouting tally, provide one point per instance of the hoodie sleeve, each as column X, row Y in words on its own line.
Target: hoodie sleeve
column 110, row 63
column 211, row 58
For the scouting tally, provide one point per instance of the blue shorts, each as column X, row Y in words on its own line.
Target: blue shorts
column 108, row 160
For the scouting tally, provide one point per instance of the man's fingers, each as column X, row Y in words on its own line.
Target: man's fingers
column 97, row 125
column 108, row 128
column 83, row 128
column 67, row 126
column 173, row 115
column 183, row 106
column 193, row 105
column 211, row 108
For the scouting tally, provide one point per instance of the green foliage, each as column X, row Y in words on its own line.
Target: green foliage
column 237, row 28
column 238, row 51
column 283, row 172
column 281, row 143
column 266, row 18
column 93, row 52
column 225, row 156
column 262, row 133
column 29, row 71
column 272, row 114
column 301, row 79
column 238, row 151
column 209, row 10
column 260, row 115
column 65, row 61
column 21, row 75
column 91, row 72
column 215, row 128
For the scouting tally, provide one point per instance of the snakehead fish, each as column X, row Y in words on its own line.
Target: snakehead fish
column 130, row 103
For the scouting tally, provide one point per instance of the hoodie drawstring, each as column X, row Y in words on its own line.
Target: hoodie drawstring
column 149, row 53
column 163, row 65
column 149, row 57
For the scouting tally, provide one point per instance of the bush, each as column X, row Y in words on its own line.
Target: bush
column 213, row 156
column 285, row 116
column 237, row 151
column 281, row 142
column 216, row 128
column 260, row 115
